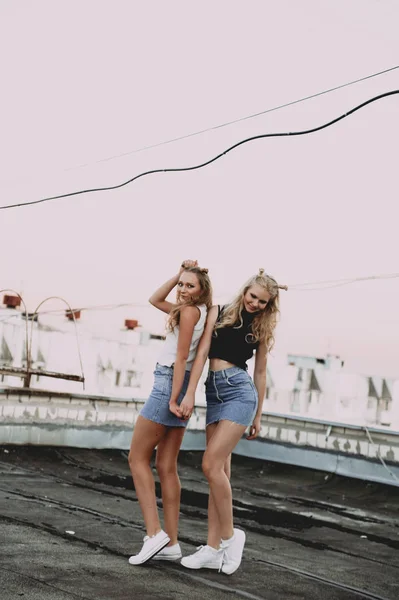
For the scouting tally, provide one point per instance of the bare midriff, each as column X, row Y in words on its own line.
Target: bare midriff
column 217, row 364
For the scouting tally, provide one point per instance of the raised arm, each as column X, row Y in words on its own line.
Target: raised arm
column 158, row 298
column 260, row 384
column 186, row 407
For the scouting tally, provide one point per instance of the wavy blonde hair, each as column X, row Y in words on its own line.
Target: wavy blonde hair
column 205, row 297
column 265, row 321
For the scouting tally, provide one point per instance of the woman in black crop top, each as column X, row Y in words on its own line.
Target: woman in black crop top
column 234, row 402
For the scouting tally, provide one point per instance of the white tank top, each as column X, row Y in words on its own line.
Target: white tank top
column 169, row 350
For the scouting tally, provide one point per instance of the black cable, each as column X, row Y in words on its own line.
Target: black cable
column 208, row 162
column 234, row 121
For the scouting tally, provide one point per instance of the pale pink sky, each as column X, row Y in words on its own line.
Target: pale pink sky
column 84, row 81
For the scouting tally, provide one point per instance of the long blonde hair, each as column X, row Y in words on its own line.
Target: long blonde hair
column 265, row 321
column 205, row 297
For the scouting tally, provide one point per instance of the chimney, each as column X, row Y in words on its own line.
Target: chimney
column 131, row 324
column 72, row 313
column 11, row 301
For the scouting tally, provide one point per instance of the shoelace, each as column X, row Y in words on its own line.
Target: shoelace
column 223, row 555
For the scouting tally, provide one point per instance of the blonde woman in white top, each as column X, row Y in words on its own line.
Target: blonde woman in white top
column 158, row 425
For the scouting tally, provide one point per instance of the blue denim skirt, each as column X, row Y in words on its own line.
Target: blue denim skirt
column 230, row 395
column 156, row 408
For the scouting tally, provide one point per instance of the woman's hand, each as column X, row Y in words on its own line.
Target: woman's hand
column 186, row 264
column 254, row 429
column 175, row 409
column 187, row 406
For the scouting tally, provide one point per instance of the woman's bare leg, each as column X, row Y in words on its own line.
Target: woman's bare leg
column 224, row 439
column 214, row 534
column 146, row 436
column 166, row 464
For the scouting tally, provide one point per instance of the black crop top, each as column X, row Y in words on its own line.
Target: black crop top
column 234, row 344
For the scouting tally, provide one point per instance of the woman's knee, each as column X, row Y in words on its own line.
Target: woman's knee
column 165, row 467
column 137, row 460
column 210, row 467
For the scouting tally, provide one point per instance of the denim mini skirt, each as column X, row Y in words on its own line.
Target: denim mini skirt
column 156, row 408
column 230, row 395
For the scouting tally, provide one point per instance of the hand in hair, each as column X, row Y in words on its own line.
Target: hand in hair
column 187, row 264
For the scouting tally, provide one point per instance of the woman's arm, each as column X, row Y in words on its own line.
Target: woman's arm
column 189, row 317
column 260, row 384
column 186, row 407
column 158, row 298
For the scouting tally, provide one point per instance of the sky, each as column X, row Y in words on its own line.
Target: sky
column 87, row 84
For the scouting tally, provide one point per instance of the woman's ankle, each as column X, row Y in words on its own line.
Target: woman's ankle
column 213, row 541
column 153, row 531
column 228, row 537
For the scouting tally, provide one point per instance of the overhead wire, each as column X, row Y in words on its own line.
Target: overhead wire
column 296, row 287
column 99, row 307
column 208, row 162
column 323, row 285
column 234, row 121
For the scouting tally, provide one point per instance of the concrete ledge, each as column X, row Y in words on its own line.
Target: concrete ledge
column 332, row 462
column 83, row 421
column 107, row 437
column 28, row 395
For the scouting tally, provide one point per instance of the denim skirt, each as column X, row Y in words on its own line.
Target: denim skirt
column 156, row 408
column 230, row 395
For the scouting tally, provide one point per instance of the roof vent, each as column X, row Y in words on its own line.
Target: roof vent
column 11, row 301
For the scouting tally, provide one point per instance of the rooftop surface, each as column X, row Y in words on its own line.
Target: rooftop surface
column 69, row 520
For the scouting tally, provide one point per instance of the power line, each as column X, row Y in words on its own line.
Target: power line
column 324, row 285
column 99, row 307
column 208, row 162
column 239, row 120
column 61, row 311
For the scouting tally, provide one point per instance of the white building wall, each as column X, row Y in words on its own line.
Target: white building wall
column 123, row 367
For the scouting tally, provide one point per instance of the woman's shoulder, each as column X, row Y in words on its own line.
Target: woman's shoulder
column 212, row 314
column 190, row 312
column 214, row 310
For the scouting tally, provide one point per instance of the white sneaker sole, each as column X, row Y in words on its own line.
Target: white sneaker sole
column 152, row 553
column 196, row 567
column 170, row 557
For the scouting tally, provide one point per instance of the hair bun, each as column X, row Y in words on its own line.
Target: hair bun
column 261, row 272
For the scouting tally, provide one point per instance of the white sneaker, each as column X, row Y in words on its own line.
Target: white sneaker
column 206, row 557
column 152, row 545
column 169, row 553
column 232, row 550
